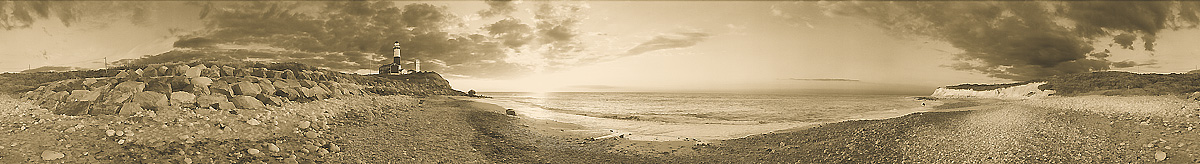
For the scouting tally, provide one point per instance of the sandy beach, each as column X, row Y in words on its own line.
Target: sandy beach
column 405, row 129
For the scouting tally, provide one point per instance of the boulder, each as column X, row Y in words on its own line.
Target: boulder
column 139, row 73
column 123, row 74
column 73, row 108
column 266, row 87
column 307, row 92
column 150, row 100
column 182, row 98
column 211, row 72
column 207, row 101
column 269, row 100
column 179, row 83
column 258, row 72
column 292, row 94
column 89, row 81
column 180, row 70
column 160, row 85
column 99, row 84
column 59, row 96
column 193, row 72
column 308, row 83
column 201, row 81
column 275, row 74
column 221, row 88
column 288, row 74
column 83, row 95
column 225, row 105
column 151, row 72
column 164, row 71
column 246, row 88
column 103, row 109
column 131, row 108
column 247, row 102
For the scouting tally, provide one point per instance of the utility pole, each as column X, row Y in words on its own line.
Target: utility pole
column 105, row 62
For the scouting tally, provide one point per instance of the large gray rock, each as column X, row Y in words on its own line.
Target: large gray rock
column 202, row 81
column 211, row 72
column 130, row 108
column 160, row 85
column 104, row 109
column 266, row 87
column 292, row 93
column 221, row 88
column 180, row 70
column 206, row 101
column 74, row 108
column 225, row 105
column 83, row 95
column 289, row 74
column 246, row 88
column 150, row 100
column 247, row 102
column 193, row 72
column 269, row 100
column 182, row 98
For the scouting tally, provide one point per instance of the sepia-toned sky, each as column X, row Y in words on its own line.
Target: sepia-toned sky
column 773, row 46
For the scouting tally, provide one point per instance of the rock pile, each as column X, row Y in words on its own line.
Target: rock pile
column 171, row 87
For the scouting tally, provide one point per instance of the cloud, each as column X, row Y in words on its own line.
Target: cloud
column 1027, row 40
column 669, row 41
column 23, row 14
column 498, row 8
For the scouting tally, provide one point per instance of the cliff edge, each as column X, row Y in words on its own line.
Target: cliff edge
column 1024, row 91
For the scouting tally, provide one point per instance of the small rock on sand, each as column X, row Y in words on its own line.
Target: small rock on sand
column 334, row 147
column 110, row 132
column 253, row 151
column 52, row 155
column 254, row 122
column 310, row 134
column 510, row 112
column 304, row 124
column 272, row 147
column 322, row 152
column 1160, row 156
column 187, row 160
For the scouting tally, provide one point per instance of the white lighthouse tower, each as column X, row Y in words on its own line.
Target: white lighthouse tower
column 393, row 68
column 418, row 65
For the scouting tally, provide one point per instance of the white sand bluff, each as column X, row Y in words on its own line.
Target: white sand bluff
column 1015, row 92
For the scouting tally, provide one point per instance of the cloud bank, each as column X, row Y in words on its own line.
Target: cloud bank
column 1028, row 40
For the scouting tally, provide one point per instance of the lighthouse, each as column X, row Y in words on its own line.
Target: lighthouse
column 393, row 68
column 396, row 52
column 417, row 67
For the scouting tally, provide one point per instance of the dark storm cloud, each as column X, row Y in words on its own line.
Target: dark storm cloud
column 355, row 35
column 498, row 8
column 669, row 41
column 22, row 14
column 1026, row 40
column 513, row 33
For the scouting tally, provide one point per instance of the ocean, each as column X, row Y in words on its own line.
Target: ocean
column 702, row 116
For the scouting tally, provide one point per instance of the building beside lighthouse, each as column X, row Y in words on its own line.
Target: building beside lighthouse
column 394, row 68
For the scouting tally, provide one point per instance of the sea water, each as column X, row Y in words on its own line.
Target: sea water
column 700, row 116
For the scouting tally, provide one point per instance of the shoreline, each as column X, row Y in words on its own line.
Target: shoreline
column 682, row 131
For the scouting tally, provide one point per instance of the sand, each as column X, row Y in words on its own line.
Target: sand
column 397, row 129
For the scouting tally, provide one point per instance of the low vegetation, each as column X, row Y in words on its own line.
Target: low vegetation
column 1110, row 83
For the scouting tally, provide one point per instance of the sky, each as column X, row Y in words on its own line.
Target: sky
column 547, row 46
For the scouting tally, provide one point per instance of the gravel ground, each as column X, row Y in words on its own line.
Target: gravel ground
column 402, row 129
